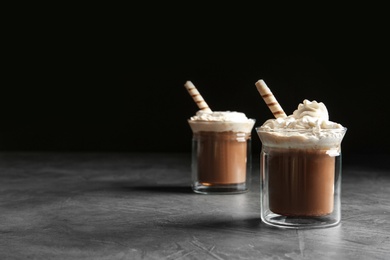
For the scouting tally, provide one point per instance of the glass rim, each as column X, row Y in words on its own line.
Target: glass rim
column 249, row 121
column 304, row 130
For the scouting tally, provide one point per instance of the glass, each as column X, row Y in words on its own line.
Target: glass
column 221, row 157
column 300, row 177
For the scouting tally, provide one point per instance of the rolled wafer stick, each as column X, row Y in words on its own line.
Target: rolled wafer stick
column 270, row 99
column 194, row 93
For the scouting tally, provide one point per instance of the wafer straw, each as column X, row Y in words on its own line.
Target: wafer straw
column 194, row 93
column 270, row 99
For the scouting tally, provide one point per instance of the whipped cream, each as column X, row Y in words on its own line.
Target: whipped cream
column 308, row 115
column 223, row 116
column 307, row 127
column 221, row 121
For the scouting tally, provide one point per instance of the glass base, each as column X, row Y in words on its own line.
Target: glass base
column 219, row 188
column 277, row 220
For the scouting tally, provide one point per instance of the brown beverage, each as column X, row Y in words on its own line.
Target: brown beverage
column 300, row 165
column 220, row 152
column 221, row 157
column 301, row 181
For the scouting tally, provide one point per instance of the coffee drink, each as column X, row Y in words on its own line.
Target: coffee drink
column 222, row 157
column 301, row 168
column 300, row 181
column 221, row 152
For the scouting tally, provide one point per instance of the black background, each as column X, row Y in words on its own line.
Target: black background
column 113, row 79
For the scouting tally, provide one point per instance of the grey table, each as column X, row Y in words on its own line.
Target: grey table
column 140, row 206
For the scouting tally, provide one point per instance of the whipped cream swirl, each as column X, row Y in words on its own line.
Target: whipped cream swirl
column 221, row 121
column 307, row 127
column 221, row 116
column 308, row 115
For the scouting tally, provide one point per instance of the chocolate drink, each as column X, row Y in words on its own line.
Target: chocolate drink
column 301, row 181
column 301, row 168
column 221, row 157
column 220, row 152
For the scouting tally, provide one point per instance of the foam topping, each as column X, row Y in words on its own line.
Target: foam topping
column 221, row 116
column 221, row 121
column 308, row 115
column 311, row 119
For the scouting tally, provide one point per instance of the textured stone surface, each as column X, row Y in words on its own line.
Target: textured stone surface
column 140, row 206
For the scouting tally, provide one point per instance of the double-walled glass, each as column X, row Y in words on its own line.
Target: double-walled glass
column 300, row 177
column 221, row 157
